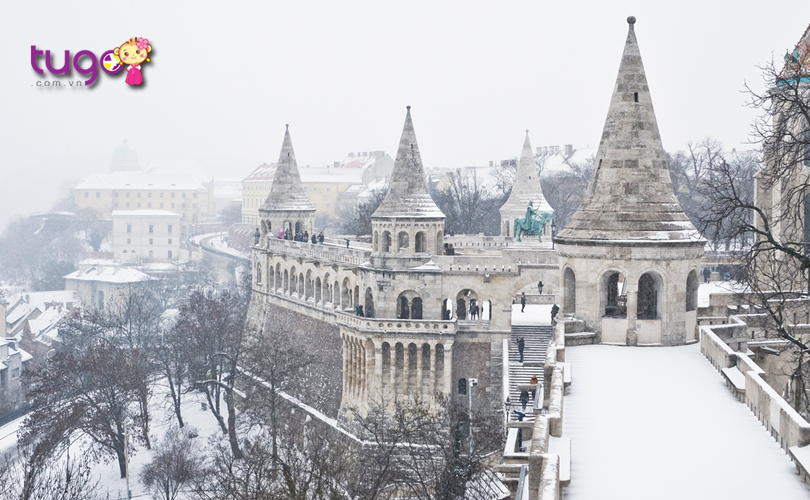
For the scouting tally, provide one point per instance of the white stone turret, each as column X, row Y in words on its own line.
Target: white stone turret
column 526, row 189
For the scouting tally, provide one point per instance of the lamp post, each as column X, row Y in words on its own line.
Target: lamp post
column 507, row 405
column 473, row 383
column 553, row 232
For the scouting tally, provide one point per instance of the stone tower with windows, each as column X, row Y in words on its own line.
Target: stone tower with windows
column 526, row 189
column 287, row 207
column 629, row 257
column 407, row 225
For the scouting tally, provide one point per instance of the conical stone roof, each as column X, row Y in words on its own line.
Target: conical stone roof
column 527, row 184
column 287, row 192
column 408, row 195
column 630, row 196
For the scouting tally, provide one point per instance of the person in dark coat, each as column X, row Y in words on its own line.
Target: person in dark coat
column 306, row 237
column 314, row 239
column 521, row 345
column 320, row 238
column 524, row 399
column 554, row 310
column 522, row 301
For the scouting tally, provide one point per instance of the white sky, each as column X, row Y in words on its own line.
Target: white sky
column 225, row 77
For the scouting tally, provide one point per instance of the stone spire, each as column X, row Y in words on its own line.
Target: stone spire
column 286, row 192
column 408, row 195
column 527, row 185
column 630, row 195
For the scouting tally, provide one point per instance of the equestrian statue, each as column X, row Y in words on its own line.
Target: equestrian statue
column 533, row 223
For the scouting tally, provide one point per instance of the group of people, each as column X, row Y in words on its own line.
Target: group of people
column 474, row 309
column 287, row 234
column 448, row 249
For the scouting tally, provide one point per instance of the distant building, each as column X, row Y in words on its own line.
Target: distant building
column 325, row 187
column 99, row 282
column 152, row 235
column 124, row 159
column 13, row 362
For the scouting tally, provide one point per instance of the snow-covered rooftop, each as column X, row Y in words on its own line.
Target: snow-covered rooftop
column 109, row 275
column 144, row 213
column 137, row 180
column 178, row 167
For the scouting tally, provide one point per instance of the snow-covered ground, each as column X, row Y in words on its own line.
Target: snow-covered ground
column 534, row 314
column 705, row 289
column 660, row 423
column 162, row 419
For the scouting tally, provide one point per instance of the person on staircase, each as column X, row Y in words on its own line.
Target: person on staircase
column 554, row 310
column 522, row 301
column 524, row 399
column 521, row 345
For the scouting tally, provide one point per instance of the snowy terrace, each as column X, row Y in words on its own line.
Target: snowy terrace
column 331, row 251
column 660, row 423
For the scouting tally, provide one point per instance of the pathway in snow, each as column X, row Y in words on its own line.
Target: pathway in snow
column 660, row 423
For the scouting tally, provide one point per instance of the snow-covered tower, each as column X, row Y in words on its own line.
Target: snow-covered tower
column 629, row 257
column 124, row 159
column 407, row 224
column 287, row 206
column 526, row 189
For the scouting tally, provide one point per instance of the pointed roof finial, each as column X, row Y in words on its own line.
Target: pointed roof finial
column 408, row 107
column 287, row 192
column 407, row 194
column 630, row 195
column 631, row 20
column 526, row 187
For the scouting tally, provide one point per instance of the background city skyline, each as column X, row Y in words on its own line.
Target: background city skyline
column 225, row 79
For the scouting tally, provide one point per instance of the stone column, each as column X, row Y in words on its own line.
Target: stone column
column 432, row 373
column 345, row 367
column 419, row 383
column 448, row 369
column 406, row 369
column 632, row 305
column 378, row 371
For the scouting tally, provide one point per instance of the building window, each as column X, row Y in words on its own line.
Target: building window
column 161, row 195
column 161, row 205
column 170, row 253
column 87, row 194
column 127, row 204
column 151, row 228
column 125, row 251
column 172, row 195
column 328, row 205
column 139, row 204
column 149, row 205
column 129, row 226
column 184, row 195
column 314, row 189
column 116, row 194
column 194, row 195
column 150, row 241
column 127, row 195
column 15, row 373
column 462, row 387
column 172, row 205
column 98, row 195
column 149, row 195
column 129, row 241
column 328, row 189
column 116, row 204
column 139, row 195
column 170, row 229
column 170, row 241
column 194, row 205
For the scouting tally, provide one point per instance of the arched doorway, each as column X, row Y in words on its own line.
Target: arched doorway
column 569, row 291
column 369, row 303
column 416, row 308
column 648, row 290
column 420, row 245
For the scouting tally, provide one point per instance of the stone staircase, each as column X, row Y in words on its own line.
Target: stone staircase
column 536, row 339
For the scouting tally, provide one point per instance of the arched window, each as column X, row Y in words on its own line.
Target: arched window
column 420, row 245
column 402, row 241
column 258, row 274
column 376, row 242
column 462, row 386
column 439, row 380
column 386, row 363
column 386, row 242
column 647, row 297
column 403, row 311
column 692, row 284
column 286, row 281
column 369, row 303
column 399, row 363
column 569, row 291
column 439, row 241
column 612, row 295
column 416, row 308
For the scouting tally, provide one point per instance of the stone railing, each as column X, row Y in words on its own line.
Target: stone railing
column 786, row 426
column 322, row 253
column 394, row 326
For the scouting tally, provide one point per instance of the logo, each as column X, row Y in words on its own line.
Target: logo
column 131, row 54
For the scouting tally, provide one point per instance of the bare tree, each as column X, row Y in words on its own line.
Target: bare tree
column 565, row 189
column 775, row 266
column 470, row 207
column 177, row 463
column 37, row 476
column 357, row 219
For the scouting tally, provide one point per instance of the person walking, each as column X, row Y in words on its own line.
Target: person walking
column 533, row 381
column 524, row 399
column 320, row 238
column 522, row 301
column 521, row 345
column 305, row 239
column 554, row 310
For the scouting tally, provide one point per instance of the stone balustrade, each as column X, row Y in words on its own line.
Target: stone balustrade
column 393, row 326
column 323, row 253
column 786, row 426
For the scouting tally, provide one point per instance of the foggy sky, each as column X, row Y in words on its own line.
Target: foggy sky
column 225, row 77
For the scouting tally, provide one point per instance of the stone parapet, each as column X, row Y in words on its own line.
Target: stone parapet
column 321, row 253
column 393, row 327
